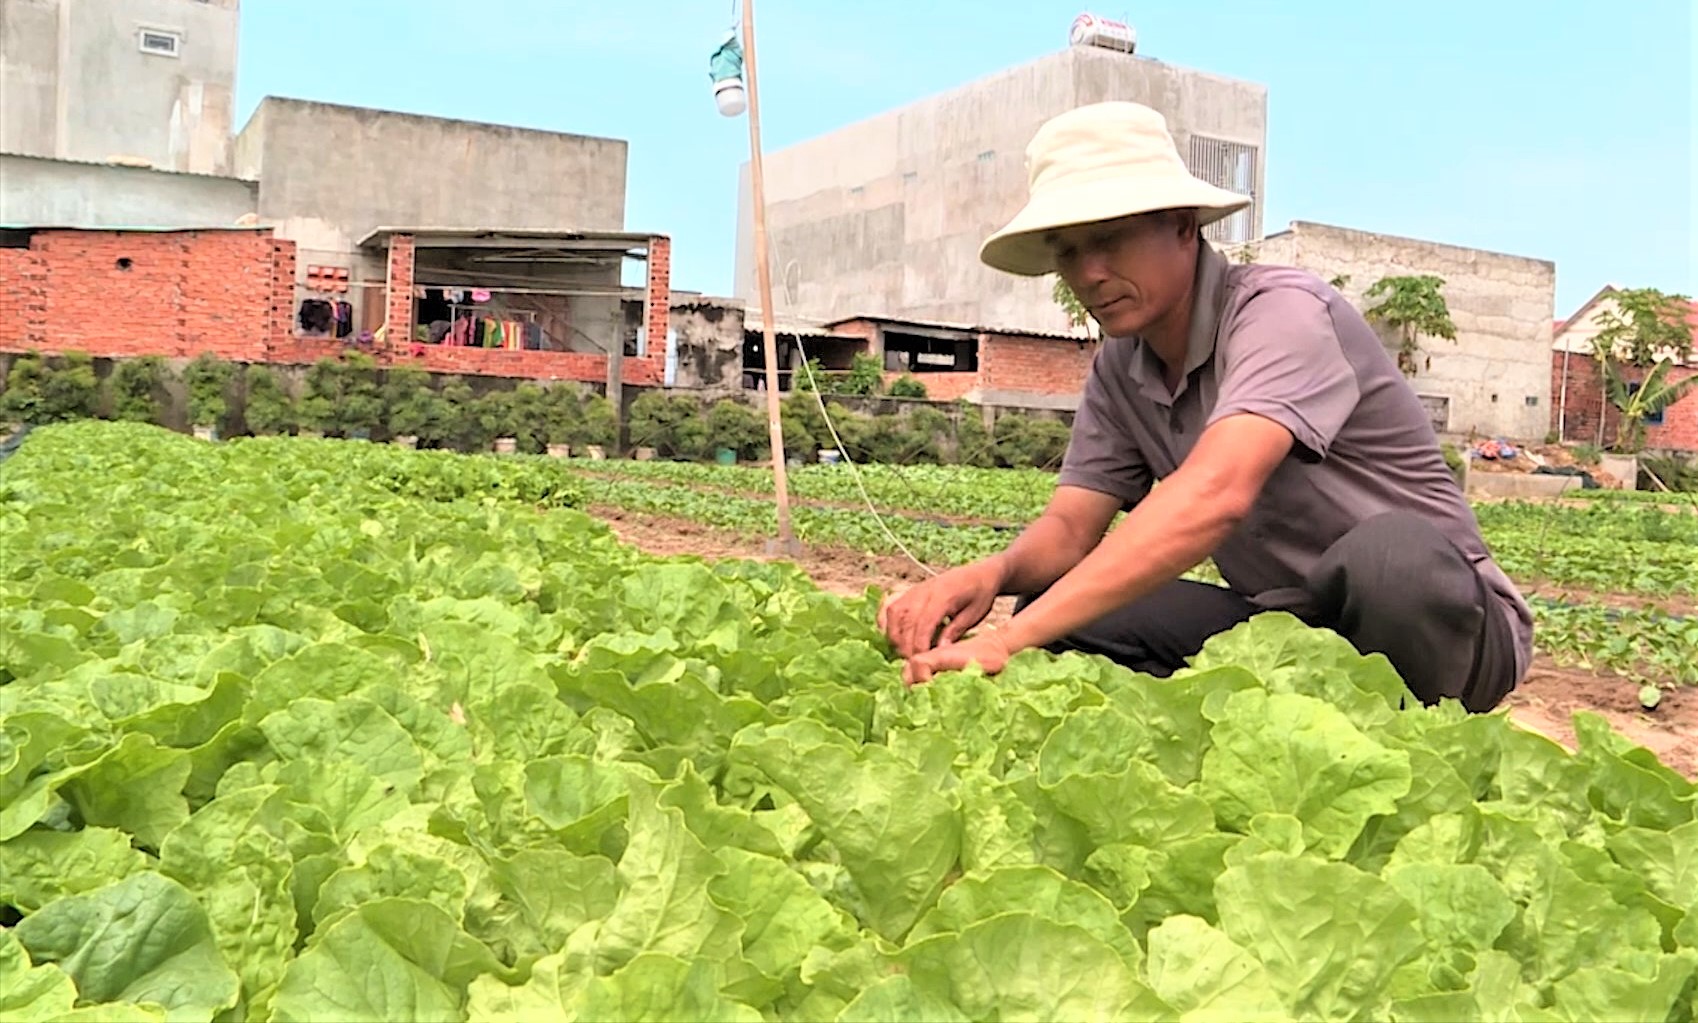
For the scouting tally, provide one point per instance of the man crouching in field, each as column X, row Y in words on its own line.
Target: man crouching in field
column 1288, row 445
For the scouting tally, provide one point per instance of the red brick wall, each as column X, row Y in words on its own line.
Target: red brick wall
column 113, row 293
column 1034, row 365
column 398, row 324
column 941, row 386
column 659, row 307
column 1586, row 402
column 480, row 361
column 23, row 299
column 282, row 292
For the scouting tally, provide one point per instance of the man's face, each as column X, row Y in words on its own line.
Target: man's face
column 1129, row 273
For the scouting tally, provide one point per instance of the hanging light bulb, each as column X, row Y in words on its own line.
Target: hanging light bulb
column 725, row 68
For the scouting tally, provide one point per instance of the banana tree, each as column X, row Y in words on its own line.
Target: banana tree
column 1639, row 400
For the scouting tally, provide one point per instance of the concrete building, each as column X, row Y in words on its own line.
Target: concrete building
column 330, row 175
column 1494, row 380
column 67, row 193
column 888, row 214
column 150, row 82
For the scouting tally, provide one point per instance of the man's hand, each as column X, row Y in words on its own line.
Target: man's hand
column 989, row 651
column 962, row 596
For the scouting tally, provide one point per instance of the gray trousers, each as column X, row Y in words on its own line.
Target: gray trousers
column 1394, row 585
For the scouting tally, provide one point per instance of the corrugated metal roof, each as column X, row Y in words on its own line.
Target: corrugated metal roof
column 965, row 328
column 119, row 165
column 135, row 229
column 518, row 234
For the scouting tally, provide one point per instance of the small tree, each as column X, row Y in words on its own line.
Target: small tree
column 1642, row 325
column 1412, row 307
column 1639, row 401
column 1063, row 296
column 1647, row 329
column 136, row 389
column 207, row 377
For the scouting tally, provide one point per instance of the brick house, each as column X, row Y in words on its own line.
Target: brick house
column 1580, row 412
column 983, row 365
column 233, row 292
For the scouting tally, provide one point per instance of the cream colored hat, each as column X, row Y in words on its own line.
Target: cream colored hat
column 1099, row 162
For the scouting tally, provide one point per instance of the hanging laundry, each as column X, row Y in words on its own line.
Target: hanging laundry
column 480, row 295
column 344, row 319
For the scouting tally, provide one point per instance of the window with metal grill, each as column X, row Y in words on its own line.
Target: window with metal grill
column 1232, row 166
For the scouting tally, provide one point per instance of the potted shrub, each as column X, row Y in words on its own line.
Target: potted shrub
column 317, row 410
column 527, row 414
column 562, row 420
column 598, row 427
column 461, row 429
column 734, row 430
column 270, row 408
column 359, row 408
column 41, row 391
column 207, row 378
column 412, row 410
column 135, row 392
column 494, row 414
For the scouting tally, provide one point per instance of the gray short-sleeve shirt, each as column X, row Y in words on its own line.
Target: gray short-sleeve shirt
column 1280, row 343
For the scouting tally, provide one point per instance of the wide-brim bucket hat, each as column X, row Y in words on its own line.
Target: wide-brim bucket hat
column 1099, row 162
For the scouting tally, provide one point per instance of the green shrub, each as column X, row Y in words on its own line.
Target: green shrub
column 906, row 386
column 1454, row 461
column 804, row 426
column 733, row 424
column 270, row 408
column 496, row 414
column 973, row 443
column 675, row 427
column 342, row 397
column 1675, row 472
column 561, row 415
column 135, row 391
column 208, row 380
column 463, row 430
column 600, row 424
column 1030, row 442
column 412, row 408
column 52, row 390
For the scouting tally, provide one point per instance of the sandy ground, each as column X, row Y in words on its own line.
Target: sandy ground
column 1545, row 702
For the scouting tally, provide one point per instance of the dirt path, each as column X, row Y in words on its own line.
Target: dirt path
column 1545, row 702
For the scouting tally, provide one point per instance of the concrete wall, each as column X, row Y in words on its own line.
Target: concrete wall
column 709, row 339
column 330, row 174
column 1497, row 374
column 886, row 216
column 78, row 86
column 36, row 190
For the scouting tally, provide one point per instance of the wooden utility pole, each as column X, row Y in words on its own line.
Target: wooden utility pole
column 763, row 270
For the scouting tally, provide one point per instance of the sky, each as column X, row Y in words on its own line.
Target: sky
column 1557, row 129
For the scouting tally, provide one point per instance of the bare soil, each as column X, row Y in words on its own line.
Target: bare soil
column 1545, row 702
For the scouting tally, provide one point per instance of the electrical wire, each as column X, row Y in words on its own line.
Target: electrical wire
column 855, row 470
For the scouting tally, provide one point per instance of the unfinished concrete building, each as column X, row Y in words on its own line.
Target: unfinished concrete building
column 888, row 214
column 147, row 82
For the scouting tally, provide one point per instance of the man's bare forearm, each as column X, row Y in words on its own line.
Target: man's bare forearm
column 1044, row 551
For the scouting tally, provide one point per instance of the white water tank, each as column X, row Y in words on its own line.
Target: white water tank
column 1106, row 33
